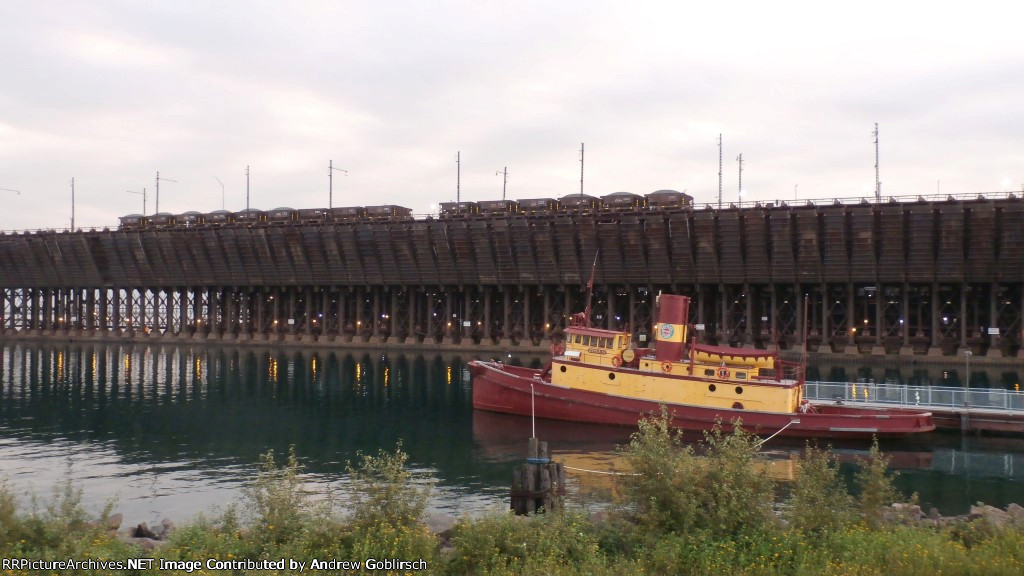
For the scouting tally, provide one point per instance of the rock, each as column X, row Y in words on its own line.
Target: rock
column 114, row 521
column 933, row 514
column 145, row 543
column 168, row 526
column 1016, row 514
column 439, row 523
column 143, row 531
column 989, row 514
column 911, row 512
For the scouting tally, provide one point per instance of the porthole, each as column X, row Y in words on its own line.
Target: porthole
column 739, row 389
column 562, row 368
column 737, row 406
column 712, row 387
column 611, row 375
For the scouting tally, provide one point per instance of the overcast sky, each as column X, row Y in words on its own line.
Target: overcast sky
column 110, row 93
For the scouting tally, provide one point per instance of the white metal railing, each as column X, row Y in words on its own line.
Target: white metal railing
column 916, row 396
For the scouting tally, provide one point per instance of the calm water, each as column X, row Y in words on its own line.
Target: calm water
column 174, row 431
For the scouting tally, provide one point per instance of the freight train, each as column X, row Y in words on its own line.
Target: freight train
column 618, row 202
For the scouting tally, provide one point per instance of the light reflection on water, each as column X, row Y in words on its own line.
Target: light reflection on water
column 175, row 431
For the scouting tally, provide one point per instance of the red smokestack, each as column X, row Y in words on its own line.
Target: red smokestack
column 670, row 335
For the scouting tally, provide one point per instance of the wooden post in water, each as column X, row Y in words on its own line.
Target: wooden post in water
column 537, row 483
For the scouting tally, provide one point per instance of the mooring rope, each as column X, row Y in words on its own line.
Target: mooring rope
column 601, row 471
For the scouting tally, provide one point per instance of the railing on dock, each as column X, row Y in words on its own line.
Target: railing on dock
column 916, row 396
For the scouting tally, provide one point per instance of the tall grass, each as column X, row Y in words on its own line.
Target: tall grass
column 689, row 510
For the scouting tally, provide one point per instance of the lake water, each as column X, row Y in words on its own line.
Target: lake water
column 173, row 431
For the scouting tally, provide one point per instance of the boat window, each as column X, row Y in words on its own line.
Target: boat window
column 709, row 371
column 578, row 338
column 611, row 375
column 586, row 340
column 712, row 387
column 741, row 375
column 739, row 389
column 604, row 343
column 562, row 368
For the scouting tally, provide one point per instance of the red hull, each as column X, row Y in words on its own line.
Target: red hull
column 501, row 388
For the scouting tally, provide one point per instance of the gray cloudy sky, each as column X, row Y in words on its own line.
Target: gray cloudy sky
column 112, row 92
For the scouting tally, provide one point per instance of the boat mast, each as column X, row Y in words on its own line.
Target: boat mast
column 590, row 289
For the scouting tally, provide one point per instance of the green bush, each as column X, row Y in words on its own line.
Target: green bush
column 674, row 490
column 819, row 501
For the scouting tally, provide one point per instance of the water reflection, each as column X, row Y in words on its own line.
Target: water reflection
column 171, row 431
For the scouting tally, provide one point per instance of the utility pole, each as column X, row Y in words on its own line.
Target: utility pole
column 246, row 187
column 158, row 179
column 719, row 171
column 458, row 177
column 330, row 182
column 504, row 183
column 878, row 183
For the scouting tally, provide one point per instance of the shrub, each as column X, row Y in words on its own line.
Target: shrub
column 819, row 501
column 383, row 491
column 875, row 486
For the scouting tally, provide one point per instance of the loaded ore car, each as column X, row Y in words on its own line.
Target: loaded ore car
column 538, row 206
column 282, row 215
column 132, row 222
column 249, row 216
column 668, row 200
column 162, row 220
column 622, row 202
column 190, row 219
column 582, row 203
column 458, row 209
column 219, row 218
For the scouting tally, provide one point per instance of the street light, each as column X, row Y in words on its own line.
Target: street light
column 143, row 198
column 221, row 192
column 330, row 182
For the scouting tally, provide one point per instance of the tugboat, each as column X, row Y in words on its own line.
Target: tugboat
column 599, row 376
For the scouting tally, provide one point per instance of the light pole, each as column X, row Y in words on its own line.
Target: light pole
column 143, row 193
column 330, row 182
column 221, row 192
column 158, row 179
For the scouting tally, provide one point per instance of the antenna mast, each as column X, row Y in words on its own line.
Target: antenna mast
column 72, row 204
column 246, row 187
column 878, row 183
column 504, row 183
column 458, row 176
column 719, row 171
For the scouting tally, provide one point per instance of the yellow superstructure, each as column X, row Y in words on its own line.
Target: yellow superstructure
column 604, row 361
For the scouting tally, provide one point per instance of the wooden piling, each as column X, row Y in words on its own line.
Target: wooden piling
column 538, row 483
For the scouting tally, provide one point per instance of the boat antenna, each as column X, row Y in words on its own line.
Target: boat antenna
column 590, row 289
